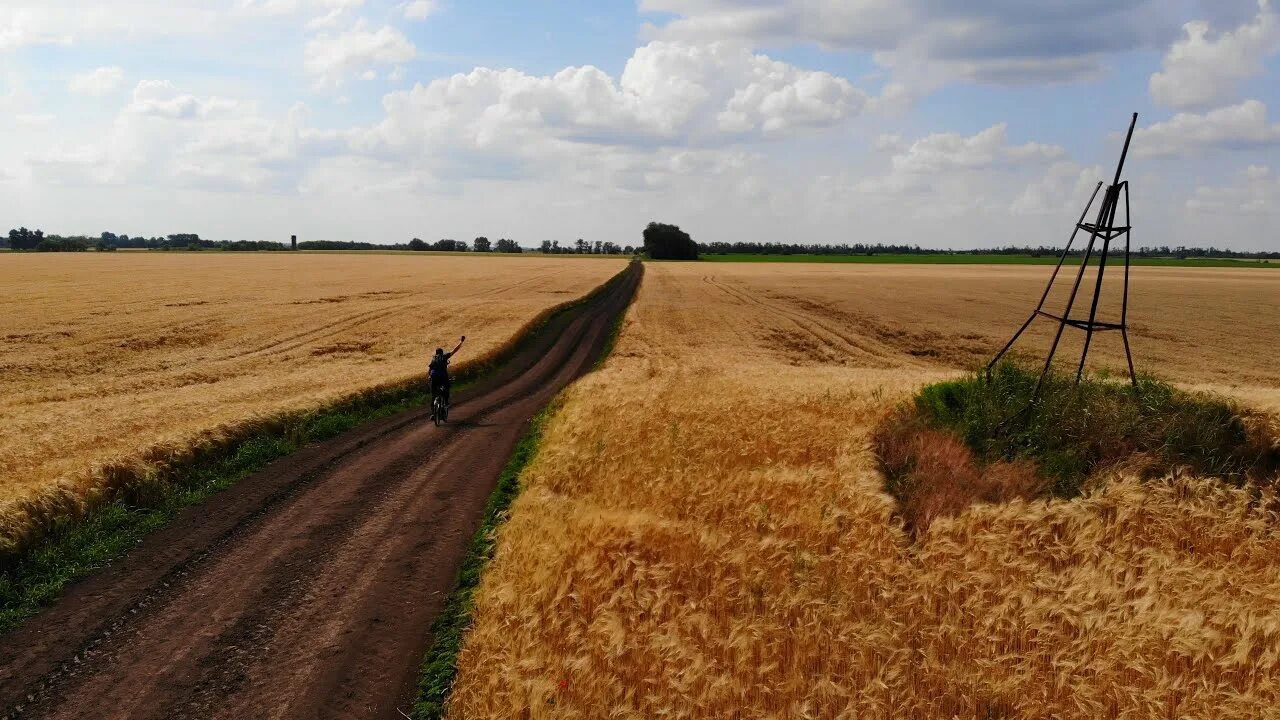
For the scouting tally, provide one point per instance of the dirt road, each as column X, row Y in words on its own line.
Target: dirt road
column 307, row 590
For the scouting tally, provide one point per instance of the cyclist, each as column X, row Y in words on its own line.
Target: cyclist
column 438, row 372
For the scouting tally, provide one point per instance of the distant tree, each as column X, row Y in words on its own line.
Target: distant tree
column 582, row 247
column 449, row 245
column 481, row 244
column 417, row 244
column 508, row 246
column 187, row 239
column 57, row 243
column 24, row 239
column 629, row 250
column 104, row 246
column 669, row 242
column 555, row 247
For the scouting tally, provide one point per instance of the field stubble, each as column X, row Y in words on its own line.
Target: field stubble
column 116, row 367
column 705, row 533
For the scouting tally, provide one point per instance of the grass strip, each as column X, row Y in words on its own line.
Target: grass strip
column 440, row 666
column 74, row 548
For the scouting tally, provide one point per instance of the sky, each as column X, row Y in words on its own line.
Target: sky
column 940, row 123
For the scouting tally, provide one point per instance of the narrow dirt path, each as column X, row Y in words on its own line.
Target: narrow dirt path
column 307, row 590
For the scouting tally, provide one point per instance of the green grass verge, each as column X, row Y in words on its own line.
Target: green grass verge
column 440, row 667
column 75, row 549
column 1072, row 431
column 992, row 259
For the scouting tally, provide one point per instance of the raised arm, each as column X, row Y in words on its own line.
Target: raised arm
column 464, row 339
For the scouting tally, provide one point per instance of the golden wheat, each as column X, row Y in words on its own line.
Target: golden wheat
column 115, row 365
column 704, row 533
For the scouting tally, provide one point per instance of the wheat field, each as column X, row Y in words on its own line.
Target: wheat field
column 704, row 533
column 115, row 365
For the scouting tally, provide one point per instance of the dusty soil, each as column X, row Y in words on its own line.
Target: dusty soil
column 307, row 590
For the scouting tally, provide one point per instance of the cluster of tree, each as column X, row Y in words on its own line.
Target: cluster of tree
column 1181, row 252
column 341, row 245
column 584, row 247
column 445, row 245
column 480, row 244
column 757, row 248
column 24, row 239
column 503, row 245
column 180, row 240
column 669, row 242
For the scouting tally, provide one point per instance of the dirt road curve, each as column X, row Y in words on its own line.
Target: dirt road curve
column 308, row 590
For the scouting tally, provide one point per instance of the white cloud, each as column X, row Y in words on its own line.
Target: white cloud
column 935, row 160
column 1062, row 190
column 169, row 138
column 420, row 9
column 63, row 22
column 1200, row 71
column 98, row 82
column 929, row 42
column 331, row 59
column 1256, row 193
column 161, row 99
column 275, row 8
column 1233, row 127
column 583, row 124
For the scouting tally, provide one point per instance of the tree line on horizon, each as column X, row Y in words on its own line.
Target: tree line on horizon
column 661, row 242
column 1164, row 251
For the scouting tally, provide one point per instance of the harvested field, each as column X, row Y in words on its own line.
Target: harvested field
column 111, row 365
column 705, row 532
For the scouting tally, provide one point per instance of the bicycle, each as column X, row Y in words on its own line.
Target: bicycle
column 439, row 409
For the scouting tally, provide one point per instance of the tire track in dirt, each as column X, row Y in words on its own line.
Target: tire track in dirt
column 308, row 589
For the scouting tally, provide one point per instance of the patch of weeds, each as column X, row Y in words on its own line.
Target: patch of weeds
column 983, row 440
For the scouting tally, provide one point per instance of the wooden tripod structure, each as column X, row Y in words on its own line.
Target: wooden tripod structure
column 1104, row 229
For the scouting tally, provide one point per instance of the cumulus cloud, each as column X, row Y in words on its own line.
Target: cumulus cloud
column 928, row 42
column 419, row 9
column 330, row 59
column 1235, row 127
column 171, row 138
column 1257, row 192
column 936, row 159
column 1200, row 71
column 64, row 22
column 668, row 93
column 1062, row 190
column 97, row 82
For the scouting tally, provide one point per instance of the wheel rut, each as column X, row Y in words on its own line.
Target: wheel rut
column 308, row 589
